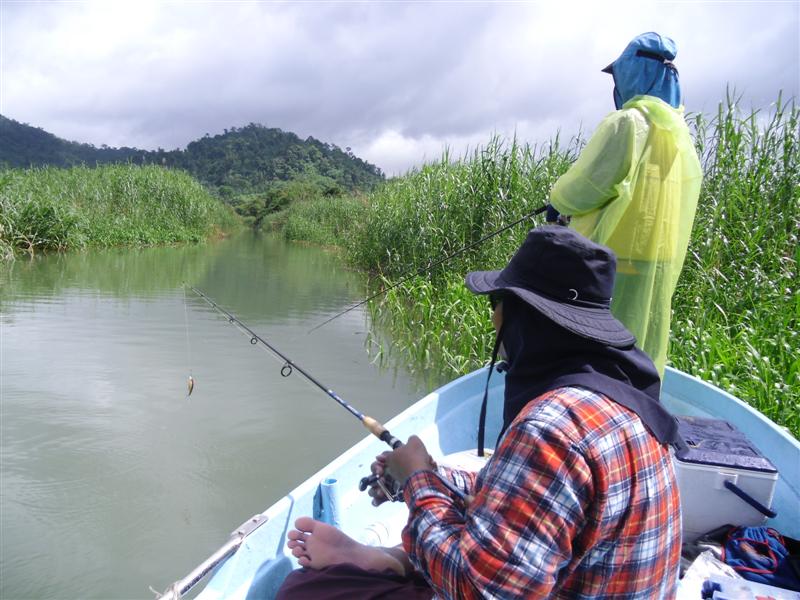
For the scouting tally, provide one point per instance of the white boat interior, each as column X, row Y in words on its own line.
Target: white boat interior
column 446, row 420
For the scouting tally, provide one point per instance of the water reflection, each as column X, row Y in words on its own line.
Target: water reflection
column 116, row 271
column 111, row 479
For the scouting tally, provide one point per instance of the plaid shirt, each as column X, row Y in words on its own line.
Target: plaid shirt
column 578, row 501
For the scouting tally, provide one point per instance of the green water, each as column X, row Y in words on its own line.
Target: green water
column 111, row 479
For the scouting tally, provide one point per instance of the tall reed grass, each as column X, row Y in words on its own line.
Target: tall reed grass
column 736, row 318
column 413, row 221
column 57, row 209
column 737, row 308
column 438, row 328
column 324, row 220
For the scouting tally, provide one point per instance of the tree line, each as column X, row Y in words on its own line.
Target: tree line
column 256, row 169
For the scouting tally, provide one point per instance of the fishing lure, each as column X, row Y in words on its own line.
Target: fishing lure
column 190, row 380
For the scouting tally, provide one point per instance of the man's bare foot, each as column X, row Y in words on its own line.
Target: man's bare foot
column 317, row 545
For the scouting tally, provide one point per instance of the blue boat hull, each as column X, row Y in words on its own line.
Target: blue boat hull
column 446, row 420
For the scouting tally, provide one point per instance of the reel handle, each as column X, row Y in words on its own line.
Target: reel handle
column 390, row 488
column 366, row 482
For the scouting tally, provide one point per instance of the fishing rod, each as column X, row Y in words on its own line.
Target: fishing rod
column 432, row 266
column 372, row 425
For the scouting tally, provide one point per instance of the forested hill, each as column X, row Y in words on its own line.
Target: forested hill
column 239, row 161
column 249, row 158
column 25, row 146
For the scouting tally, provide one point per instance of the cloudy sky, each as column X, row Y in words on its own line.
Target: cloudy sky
column 396, row 81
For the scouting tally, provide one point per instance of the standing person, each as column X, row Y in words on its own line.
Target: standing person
column 634, row 188
column 578, row 500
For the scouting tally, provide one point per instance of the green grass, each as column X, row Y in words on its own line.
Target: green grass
column 413, row 221
column 49, row 208
column 737, row 307
column 324, row 220
column 438, row 328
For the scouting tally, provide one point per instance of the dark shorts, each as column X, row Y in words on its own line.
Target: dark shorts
column 347, row 582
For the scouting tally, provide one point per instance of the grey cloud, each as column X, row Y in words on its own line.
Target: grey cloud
column 382, row 77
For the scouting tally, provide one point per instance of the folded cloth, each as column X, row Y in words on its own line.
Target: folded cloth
column 763, row 555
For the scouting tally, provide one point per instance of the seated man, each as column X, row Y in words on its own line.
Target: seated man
column 578, row 500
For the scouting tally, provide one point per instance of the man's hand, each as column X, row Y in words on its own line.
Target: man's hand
column 394, row 467
column 377, row 490
column 406, row 459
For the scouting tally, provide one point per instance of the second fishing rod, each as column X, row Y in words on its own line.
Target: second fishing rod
column 433, row 265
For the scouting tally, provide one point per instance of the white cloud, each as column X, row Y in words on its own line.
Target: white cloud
column 394, row 81
column 397, row 152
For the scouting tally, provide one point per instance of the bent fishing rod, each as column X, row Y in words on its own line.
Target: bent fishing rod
column 372, row 425
column 432, row 266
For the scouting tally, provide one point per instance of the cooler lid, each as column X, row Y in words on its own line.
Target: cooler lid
column 717, row 442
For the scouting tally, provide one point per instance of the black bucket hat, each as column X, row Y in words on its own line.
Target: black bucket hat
column 567, row 278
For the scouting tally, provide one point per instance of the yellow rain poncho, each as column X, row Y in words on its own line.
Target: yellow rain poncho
column 634, row 188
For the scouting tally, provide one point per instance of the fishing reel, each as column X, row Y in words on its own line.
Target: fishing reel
column 388, row 486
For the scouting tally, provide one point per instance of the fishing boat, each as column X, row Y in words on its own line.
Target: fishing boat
column 255, row 560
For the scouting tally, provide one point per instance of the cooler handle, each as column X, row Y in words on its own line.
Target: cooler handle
column 750, row 500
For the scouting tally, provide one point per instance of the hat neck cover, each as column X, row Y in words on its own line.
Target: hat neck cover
column 542, row 356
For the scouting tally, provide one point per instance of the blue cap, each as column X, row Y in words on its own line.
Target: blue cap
column 645, row 68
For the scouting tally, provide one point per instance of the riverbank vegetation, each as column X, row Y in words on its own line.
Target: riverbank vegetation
column 323, row 222
column 736, row 311
column 58, row 209
column 262, row 209
column 257, row 170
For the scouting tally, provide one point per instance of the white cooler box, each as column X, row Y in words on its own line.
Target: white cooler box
column 723, row 479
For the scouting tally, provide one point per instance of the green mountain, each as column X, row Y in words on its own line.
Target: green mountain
column 25, row 146
column 243, row 160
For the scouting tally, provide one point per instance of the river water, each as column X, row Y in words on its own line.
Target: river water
column 112, row 480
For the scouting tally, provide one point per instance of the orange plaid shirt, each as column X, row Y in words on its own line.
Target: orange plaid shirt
column 578, row 501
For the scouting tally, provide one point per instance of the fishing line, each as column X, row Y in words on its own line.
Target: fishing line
column 190, row 380
column 432, row 266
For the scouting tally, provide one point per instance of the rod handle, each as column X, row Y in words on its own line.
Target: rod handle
column 380, row 432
